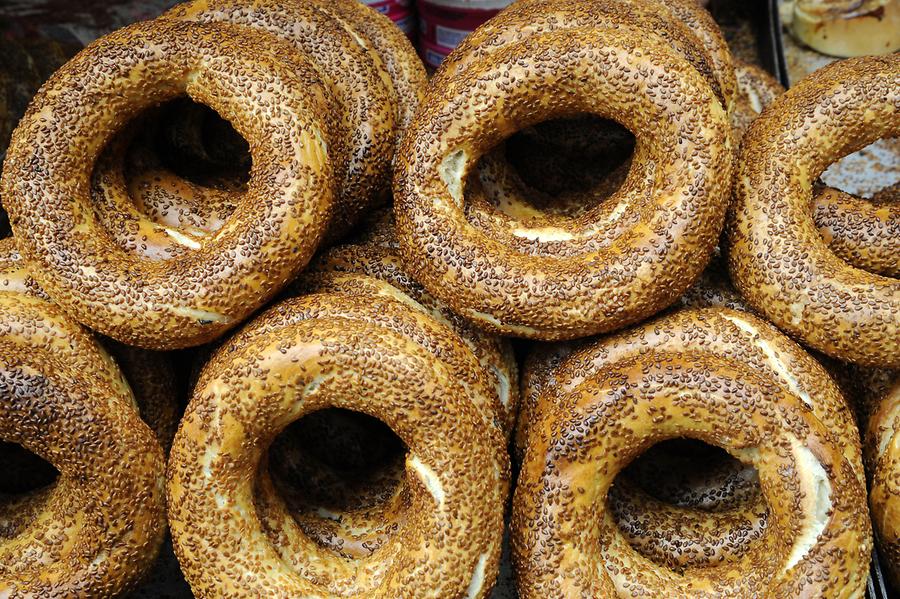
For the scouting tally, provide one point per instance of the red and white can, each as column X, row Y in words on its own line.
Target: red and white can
column 399, row 11
column 444, row 23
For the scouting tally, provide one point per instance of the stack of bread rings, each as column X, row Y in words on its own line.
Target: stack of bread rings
column 67, row 401
column 264, row 207
column 319, row 91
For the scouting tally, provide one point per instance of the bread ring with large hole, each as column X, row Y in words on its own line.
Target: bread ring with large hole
column 863, row 232
column 366, row 100
column 618, row 396
column 778, row 259
column 732, row 512
column 496, row 195
column 562, row 283
column 98, row 528
column 358, row 353
column 303, row 481
column 882, row 452
column 266, row 241
column 372, row 271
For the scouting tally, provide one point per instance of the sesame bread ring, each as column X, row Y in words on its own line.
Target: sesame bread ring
column 366, row 103
column 384, row 40
column 618, row 396
column 362, row 514
column 97, row 529
column 777, row 258
column 682, row 24
column 357, row 353
column 266, row 241
column 882, row 452
column 564, row 283
column 359, row 527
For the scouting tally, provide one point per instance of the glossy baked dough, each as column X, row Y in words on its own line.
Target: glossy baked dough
column 618, row 396
column 267, row 240
column 97, row 528
column 366, row 352
column 566, row 282
column 778, row 259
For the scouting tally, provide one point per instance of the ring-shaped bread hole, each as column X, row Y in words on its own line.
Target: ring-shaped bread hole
column 562, row 167
column 868, row 172
column 170, row 178
column 684, row 503
column 198, row 144
column 25, row 484
column 342, row 476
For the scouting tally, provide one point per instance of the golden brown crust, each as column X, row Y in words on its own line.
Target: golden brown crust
column 778, row 260
column 150, row 376
column 380, row 259
column 361, row 529
column 670, row 530
column 701, row 22
column 617, row 396
column 154, row 382
column 140, row 202
column 577, row 281
column 865, row 233
column 354, row 352
column 681, row 536
column 342, row 479
column 378, row 495
column 97, row 529
column 270, row 238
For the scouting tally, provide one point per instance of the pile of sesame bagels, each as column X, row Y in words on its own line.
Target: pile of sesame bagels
column 577, row 316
